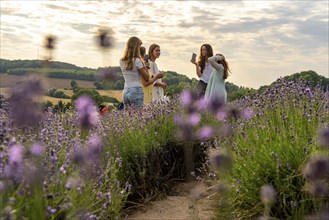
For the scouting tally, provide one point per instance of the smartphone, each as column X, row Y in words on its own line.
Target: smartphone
column 193, row 56
column 146, row 58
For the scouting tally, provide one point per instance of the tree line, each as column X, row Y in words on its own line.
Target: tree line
column 176, row 82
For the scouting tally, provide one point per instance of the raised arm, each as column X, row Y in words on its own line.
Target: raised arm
column 213, row 62
column 198, row 69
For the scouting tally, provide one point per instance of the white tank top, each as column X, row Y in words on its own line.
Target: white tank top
column 206, row 72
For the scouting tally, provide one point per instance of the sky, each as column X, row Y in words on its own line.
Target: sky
column 261, row 40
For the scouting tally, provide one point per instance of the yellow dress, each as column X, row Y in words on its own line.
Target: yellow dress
column 148, row 92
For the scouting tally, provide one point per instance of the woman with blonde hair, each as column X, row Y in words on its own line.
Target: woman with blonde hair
column 159, row 85
column 133, row 69
column 216, row 85
column 148, row 85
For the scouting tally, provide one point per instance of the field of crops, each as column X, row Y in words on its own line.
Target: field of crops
column 267, row 155
column 9, row 81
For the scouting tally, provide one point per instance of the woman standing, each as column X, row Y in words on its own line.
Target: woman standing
column 148, row 85
column 159, row 85
column 216, row 85
column 133, row 69
column 203, row 68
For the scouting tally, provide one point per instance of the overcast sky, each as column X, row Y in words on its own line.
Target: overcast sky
column 262, row 40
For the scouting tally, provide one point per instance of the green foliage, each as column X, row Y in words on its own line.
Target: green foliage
column 310, row 78
column 57, row 93
column 74, row 86
column 90, row 92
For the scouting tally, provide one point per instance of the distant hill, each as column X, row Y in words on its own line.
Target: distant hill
column 176, row 82
column 310, row 78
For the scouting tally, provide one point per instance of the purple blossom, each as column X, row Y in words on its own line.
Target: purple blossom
column 194, row 119
column 186, row 98
column 324, row 137
column 247, row 113
column 205, row 133
column 16, row 154
column 221, row 114
column 95, row 143
column 268, row 194
column 87, row 112
column 37, row 149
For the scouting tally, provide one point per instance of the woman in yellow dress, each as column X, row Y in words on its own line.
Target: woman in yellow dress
column 148, row 86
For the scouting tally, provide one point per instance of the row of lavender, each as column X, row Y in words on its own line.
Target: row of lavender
column 280, row 156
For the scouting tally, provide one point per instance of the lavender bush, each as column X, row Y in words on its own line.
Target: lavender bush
column 272, row 148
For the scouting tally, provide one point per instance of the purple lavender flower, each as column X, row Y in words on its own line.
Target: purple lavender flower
column 220, row 159
column 324, row 137
column 186, row 98
column 268, row 194
column 16, row 154
column 205, row 133
column 247, row 113
column 87, row 112
column 95, row 143
column 194, row 119
column 105, row 40
column 23, row 109
column 317, row 168
column 37, row 149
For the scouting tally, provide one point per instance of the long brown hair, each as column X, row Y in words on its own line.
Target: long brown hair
column 151, row 49
column 131, row 51
column 202, row 60
column 226, row 67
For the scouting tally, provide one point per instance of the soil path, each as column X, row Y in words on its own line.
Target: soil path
column 187, row 201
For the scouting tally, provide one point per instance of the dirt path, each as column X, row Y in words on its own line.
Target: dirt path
column 187, row 201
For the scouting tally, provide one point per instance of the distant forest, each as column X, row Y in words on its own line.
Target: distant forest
column 176, row 82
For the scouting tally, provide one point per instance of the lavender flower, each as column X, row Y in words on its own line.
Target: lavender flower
column 87, row 112
column 186, row 98
column 247, row 113
column 104, row 38
column 268, row 194
column 23, row 108
column 324, row 137
column 317, row 168
column 16, row 154
column 205, row 133
column 37, row 149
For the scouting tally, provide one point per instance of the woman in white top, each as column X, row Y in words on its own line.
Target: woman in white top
column 203, row 68
column 133, row 69
column 159, row 85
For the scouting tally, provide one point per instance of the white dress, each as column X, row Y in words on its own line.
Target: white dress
column 216, row 84
column 158, row 92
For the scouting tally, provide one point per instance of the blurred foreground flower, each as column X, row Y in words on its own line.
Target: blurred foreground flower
column 104, row 37
column 87, row 112
column 268, row 194
column 324, row 137
column 23, row 109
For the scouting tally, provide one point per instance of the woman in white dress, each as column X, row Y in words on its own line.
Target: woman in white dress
column 216, row 85
column 159, row 85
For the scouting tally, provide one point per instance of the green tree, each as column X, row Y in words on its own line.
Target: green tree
column 90, row 92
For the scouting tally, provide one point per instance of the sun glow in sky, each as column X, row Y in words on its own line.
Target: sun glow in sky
column 262, row 40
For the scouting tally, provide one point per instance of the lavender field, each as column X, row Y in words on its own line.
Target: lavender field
column 267, row 155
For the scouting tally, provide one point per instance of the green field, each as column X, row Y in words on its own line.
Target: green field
column 9, row 81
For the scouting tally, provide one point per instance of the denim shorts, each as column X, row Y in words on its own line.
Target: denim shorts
column 133, row 96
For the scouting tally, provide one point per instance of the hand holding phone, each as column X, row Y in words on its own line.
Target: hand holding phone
column 193, row 58
column 146, row 58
